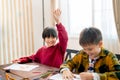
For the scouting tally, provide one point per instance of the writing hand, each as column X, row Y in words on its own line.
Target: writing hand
column 68, row 75
column 86, row 76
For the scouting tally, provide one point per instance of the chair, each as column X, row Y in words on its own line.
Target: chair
column 69, row 53
column 118, row 56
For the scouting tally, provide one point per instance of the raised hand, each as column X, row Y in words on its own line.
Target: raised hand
column 56, row 15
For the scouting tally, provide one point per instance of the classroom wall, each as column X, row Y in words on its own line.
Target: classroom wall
column 37, row 23
column 42, row 17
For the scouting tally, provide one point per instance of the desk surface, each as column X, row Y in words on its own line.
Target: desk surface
column 41, row 71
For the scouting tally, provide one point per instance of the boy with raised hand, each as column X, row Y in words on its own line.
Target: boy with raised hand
column 51, row 54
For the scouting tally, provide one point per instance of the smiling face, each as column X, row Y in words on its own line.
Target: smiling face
column 93, row 50
column 50, row 36
column 50, row 41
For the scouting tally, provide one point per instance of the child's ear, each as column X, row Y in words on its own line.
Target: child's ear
column 101, row 44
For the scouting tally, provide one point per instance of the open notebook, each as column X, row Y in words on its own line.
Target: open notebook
column 59, row 77
column 21, row 67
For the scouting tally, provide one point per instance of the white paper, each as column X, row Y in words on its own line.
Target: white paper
column 21, row 67
column 59, row 77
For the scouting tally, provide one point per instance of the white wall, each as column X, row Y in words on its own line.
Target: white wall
column 73, row 43
column 41, row 18
column 37, row 23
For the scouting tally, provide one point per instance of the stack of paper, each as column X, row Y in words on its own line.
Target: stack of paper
column 59, row 77
column 21, row 67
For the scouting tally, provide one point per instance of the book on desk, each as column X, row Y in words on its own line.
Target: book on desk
column 39, row 71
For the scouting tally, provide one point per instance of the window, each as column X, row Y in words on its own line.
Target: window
column 86, row 13
column 78, row 14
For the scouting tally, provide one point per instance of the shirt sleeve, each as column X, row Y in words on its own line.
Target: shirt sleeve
column 113, row 72
column 62, row 36
column 25, row 59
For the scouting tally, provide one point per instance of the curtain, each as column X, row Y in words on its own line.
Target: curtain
column 116, row 7
column 16, row 36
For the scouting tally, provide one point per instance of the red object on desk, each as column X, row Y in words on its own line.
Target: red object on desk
column 36, row 72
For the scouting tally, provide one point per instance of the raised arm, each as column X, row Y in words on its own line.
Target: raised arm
column 62, row 33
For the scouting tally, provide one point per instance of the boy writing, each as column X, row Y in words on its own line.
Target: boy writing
column 93, row 62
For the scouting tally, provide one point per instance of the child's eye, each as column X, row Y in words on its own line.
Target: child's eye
column 90, row 49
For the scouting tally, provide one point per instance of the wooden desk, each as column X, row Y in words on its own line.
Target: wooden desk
column 35, row 74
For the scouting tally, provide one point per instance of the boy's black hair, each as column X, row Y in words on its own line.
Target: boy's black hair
column 49, row 32
column 90, row 36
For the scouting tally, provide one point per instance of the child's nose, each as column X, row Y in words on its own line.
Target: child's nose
column 50, row 39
